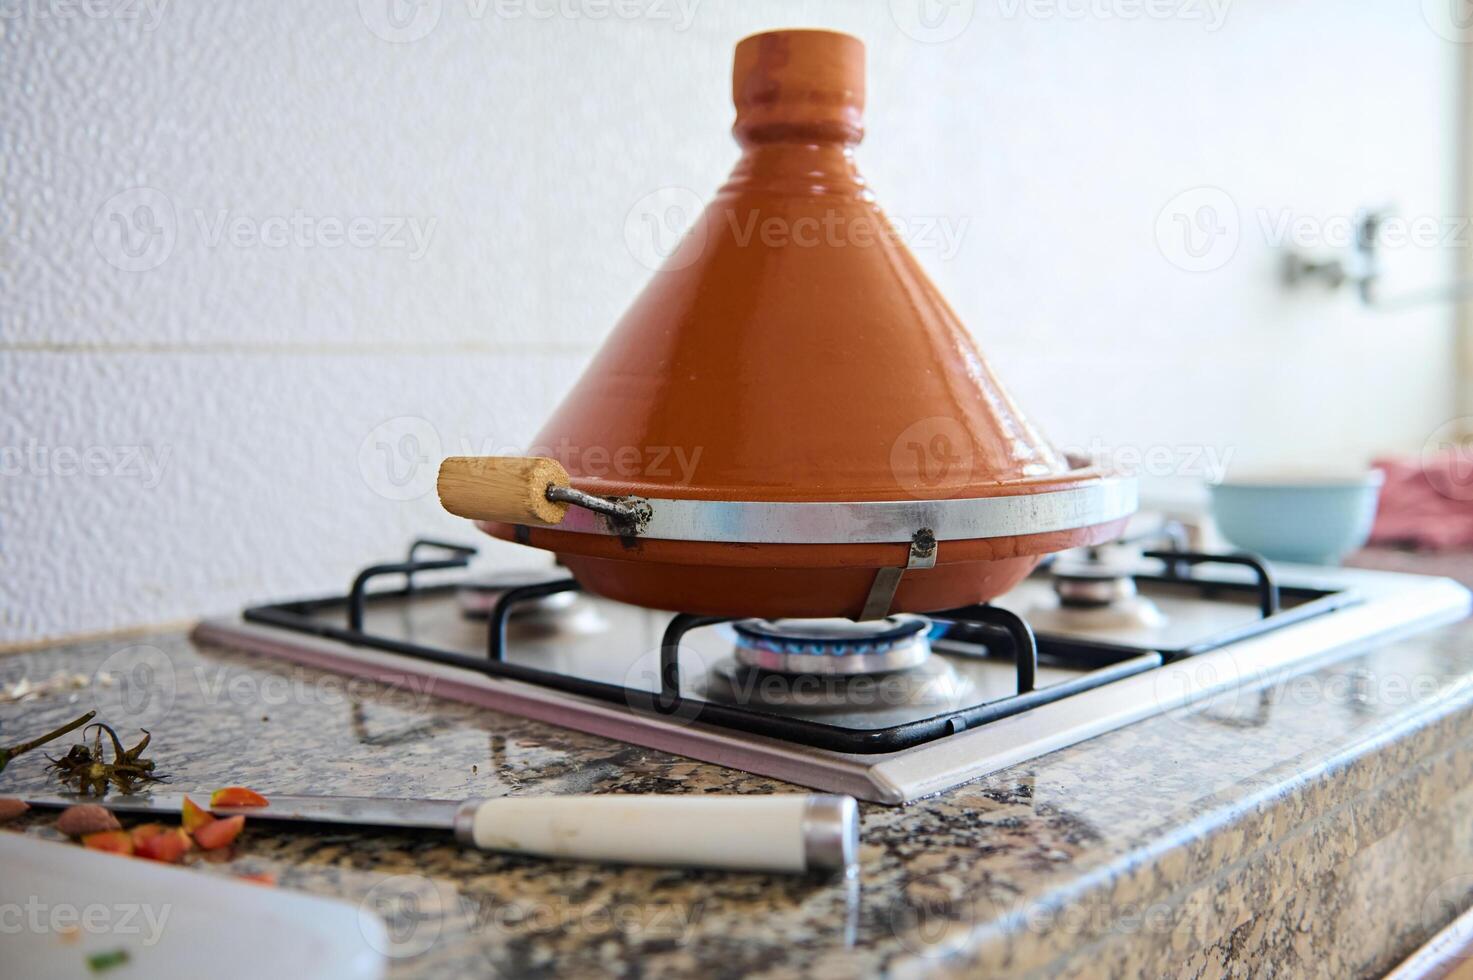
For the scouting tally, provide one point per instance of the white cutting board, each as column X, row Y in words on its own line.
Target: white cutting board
column 173, row 921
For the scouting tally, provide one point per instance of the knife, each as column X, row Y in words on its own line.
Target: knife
column 782, row 832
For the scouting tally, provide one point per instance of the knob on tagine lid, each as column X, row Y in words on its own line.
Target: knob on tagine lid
column 790, row 421
column 791, row 347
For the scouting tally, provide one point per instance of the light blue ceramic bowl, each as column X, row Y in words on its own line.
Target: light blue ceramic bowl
column 1308, row 519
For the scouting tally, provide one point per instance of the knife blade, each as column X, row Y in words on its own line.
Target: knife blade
column 780, row 832
column 354, row 810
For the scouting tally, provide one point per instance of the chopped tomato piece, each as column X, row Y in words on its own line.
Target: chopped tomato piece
column 195, row 816
column 237, row 796
column 168, row 846
column 112, row 841
column 144, row 831
column 220, row 832
column 148, row 831
column 260, row 878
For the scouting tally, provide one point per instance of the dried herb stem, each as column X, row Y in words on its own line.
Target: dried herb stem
column 6, row 754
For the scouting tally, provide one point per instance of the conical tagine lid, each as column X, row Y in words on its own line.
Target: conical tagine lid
column 791, row 348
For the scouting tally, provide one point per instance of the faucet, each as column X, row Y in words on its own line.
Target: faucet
column 1363, row 271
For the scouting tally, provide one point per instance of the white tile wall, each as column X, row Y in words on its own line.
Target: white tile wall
column 259, row 375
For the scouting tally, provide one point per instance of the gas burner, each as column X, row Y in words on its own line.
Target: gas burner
column 558, row 612
column 1092, row 593
column 933, row 684
column 833, row 646
column 1083, row 587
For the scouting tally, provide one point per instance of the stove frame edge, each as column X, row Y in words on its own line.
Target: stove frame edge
column 1392, row 605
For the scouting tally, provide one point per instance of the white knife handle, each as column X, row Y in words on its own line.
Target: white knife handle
column 792, row 832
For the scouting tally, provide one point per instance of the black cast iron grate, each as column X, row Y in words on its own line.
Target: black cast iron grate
column 998, row 628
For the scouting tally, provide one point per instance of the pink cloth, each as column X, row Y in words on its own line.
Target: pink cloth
column 1426, row 502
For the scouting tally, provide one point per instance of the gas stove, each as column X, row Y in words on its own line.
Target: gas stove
column 888, row 710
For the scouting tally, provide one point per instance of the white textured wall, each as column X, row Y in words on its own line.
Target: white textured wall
column 199, row 424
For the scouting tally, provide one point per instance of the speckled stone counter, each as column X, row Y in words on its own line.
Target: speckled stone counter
column 1321, row 827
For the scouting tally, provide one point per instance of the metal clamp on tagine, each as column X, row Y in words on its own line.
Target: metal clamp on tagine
column 857, row 455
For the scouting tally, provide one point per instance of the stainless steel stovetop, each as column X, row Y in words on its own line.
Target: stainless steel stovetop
column 1117, row 641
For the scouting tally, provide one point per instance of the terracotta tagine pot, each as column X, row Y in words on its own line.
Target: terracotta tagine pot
column 790, row 420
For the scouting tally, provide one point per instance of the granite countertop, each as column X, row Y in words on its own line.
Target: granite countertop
column 1320, row 826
